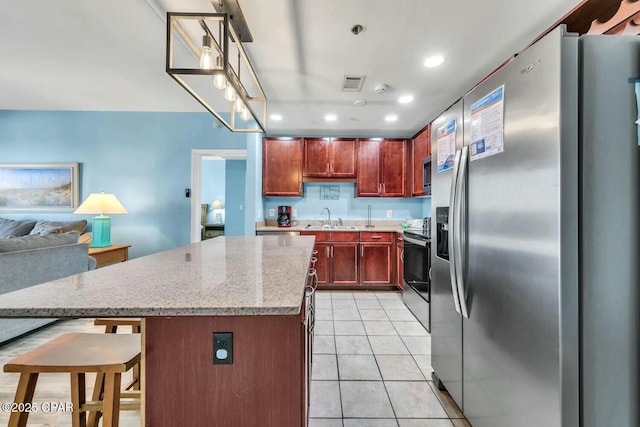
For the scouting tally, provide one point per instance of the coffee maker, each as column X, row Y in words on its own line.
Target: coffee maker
column 284, row 216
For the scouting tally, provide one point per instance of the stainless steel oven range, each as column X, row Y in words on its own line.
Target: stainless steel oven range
column 417, row 287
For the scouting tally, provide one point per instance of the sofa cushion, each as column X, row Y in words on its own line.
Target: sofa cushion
column 13, row 228
column 64, row 226
column 44, row 230
column 38, row 241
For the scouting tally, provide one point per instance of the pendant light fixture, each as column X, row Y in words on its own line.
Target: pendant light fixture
column 233, row 93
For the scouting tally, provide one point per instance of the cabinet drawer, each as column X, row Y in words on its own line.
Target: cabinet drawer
column 321, row 236
column 368, row 236
column 345, row 236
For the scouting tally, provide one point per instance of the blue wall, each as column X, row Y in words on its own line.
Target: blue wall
column 143, row 158
column 213, row 186
column 347, row 206
column 234, row 208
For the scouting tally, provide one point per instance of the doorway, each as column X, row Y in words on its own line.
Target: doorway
column 230, row 209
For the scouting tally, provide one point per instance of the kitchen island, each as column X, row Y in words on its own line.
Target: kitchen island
column 251, row 287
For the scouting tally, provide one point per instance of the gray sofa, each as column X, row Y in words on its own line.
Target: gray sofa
column 29, row 260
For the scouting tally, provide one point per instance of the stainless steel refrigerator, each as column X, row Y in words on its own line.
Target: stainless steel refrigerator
column 535, row 250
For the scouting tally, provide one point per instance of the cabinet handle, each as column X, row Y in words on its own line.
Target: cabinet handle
column 402, row 259
column 331, row 251
column 328, row 168
column 384, row 188
column 376, row 237
column 331, row 168
column 361, row 250
column 379, row 188
column 327, row 251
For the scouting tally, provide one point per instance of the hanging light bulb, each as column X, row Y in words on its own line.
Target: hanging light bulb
column 219, row 80
column 229, row 93
column 206, row 59
column 239, row 105
column 245, row 114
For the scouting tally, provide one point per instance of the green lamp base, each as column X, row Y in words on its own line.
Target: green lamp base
column 101, row 232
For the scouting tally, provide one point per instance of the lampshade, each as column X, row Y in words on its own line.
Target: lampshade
column 101, row 204
column 217, row 204
column 205, row 55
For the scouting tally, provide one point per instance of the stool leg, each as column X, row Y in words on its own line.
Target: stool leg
column 111, row 402
column 98, row 391
column 78, row 416
column 24, row 394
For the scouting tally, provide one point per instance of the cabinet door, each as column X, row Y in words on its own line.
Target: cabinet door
column 421, row 148
column 343, row 158
column 344, row 263
column 368, row 179
column 316, row 157
column 322, row 265
column 282, row 167
column 400, row 262
column 376, row 263
column 394, row 167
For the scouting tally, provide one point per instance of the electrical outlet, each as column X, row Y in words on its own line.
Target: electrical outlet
column 294, row 212
column 389, row 214
column 222, row 348
column 272, row 212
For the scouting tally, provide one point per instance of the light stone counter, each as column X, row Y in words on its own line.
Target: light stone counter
column 302, row 225
column 263, row 275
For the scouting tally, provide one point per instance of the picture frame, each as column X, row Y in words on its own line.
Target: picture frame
column 329, row 192
column 50, row 187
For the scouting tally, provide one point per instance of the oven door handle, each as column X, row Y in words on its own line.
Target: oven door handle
column 414, row 241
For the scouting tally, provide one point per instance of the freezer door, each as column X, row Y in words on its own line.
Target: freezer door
column 512, row 337
column 446, row 323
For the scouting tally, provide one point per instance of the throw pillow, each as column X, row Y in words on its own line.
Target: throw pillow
column 37, row 241
column 12, row 228
column 45, row 230
column 64, row 226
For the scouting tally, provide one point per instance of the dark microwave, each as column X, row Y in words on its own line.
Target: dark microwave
column 426, row 174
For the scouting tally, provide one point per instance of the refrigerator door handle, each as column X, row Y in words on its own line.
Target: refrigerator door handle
column 460, row 227
column 452, row 232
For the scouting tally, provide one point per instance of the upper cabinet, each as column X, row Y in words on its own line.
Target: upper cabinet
column 382, row 168
column 420, row 149
column 282, row 167
column 329, row 157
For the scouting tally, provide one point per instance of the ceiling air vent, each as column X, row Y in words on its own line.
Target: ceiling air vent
column 352, row 83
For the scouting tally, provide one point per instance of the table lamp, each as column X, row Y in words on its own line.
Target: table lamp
column 217, row 204
column 101, row 204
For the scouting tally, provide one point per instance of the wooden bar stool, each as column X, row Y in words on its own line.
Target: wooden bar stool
column 111, row 327
column 78, row 354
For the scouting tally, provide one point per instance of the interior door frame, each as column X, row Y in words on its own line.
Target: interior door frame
column 197, row 156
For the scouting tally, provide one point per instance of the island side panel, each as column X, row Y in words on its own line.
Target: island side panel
column 265, row 386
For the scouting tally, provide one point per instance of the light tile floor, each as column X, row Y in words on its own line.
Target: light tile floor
column 371, row 368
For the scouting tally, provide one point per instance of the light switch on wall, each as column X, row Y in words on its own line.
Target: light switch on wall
column 294, row 212
column 272, row 212
column 389, row 214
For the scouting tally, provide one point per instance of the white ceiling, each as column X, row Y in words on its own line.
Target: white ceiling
column 109, row 56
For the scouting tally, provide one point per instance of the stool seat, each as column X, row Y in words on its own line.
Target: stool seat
column 77, row 354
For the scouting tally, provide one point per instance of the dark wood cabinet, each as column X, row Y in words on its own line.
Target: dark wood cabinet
column 382, row 168
column 337, row 263
column 282, row 167
column 329, row 157
column 399, row 260
column 322, row 264
column 420, row 148
column 377, row 266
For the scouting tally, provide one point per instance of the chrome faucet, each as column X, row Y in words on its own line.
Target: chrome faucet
column 328, row 215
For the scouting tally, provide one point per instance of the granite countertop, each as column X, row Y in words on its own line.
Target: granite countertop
column 225, row 276
column 301, row 225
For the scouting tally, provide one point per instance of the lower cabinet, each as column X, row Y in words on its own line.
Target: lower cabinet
column 349, row 260
column 377, row 263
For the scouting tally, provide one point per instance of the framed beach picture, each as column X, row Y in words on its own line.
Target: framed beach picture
column 38, row 187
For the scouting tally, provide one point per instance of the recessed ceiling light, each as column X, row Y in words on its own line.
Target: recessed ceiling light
column 433, row 61
column 276, row 117
column 359, row 102
column 405, row 99
column 391, row 118
column 331, row 118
